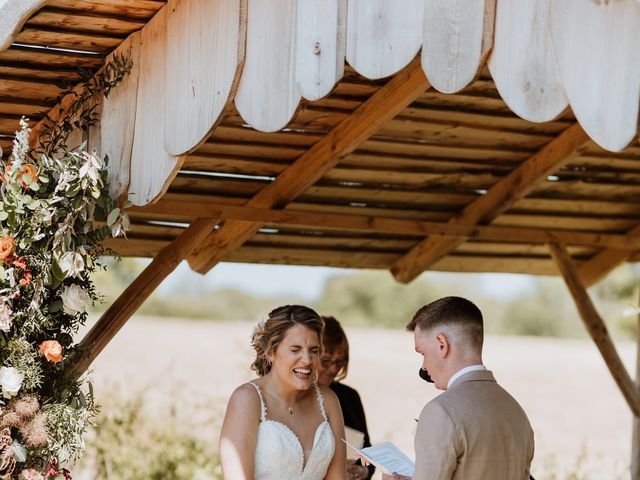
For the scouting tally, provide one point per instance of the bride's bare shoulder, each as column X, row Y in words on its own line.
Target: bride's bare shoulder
column 245, row 396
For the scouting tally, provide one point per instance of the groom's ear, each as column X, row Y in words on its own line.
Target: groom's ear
column 442, row 343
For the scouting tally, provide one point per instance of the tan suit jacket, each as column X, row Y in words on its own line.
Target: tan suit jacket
column 473, row 431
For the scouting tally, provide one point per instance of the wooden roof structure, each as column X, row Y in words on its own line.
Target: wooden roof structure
column 376, row 149
column 467, row 135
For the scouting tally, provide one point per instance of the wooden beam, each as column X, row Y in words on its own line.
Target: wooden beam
column 596, row 327
column 497, row 200
column 394, row 226
column 114, row 318
column 382, row 106
column 603, row 262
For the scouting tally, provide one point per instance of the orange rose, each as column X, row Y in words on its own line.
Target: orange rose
column 52, row 350
column 25, row 169
column 7, row 248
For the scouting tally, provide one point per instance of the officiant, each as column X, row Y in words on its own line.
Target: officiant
column 334, row 364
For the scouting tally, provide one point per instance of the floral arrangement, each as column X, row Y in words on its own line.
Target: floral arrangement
column 54, row 213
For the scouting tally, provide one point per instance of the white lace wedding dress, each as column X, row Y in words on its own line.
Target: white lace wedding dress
column 279, row 454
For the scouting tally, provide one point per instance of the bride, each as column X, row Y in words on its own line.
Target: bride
column 283, row 426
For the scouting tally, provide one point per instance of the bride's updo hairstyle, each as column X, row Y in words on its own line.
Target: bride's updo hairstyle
column 270, row 332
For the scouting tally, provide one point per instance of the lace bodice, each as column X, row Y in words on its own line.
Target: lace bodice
column 279, row 454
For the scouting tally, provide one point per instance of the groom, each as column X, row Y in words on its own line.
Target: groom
column 475, row 430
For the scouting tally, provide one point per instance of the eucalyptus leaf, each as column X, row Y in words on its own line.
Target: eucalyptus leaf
column 55, row 306
column 3, row 215
column 113, row 216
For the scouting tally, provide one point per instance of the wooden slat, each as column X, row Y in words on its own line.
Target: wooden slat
column 13, row 15
column 267, row 95
column 522, row 62
column 200, row 89
column 381, row 225
column 37, row 57
column 385, row 104
column 29, row 90
column 501, row 196
column 118, row 118
column 457, row 37
column 320, row 46
column 383, row 36
column 88, row 42
column 152, row 167
column 18, row 71
column 81, row 22
column 596, row 327
column 135, row 9
column 114, row 318
column 598, row 54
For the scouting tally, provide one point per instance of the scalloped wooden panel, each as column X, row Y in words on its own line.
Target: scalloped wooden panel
column 320, row 46
column 267, row 95
column 383, row 36
column 458, row 35
column 523, row 63
column 204, row 55
column 598, row 52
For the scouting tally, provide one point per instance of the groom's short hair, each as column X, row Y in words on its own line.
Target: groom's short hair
column 451, row 311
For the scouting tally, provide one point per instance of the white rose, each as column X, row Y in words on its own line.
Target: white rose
column 75, row 299
column 10, row 381
column 71, row 264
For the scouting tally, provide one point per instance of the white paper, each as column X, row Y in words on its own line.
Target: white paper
column 388, row 458
column 353, row 437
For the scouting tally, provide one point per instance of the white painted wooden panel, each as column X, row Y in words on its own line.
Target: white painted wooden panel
column 267, row 95
column 523, row 63
column 152, row 167
column 13, row 15
column 320, row 46
column 458, row 35
column 598, row 51
column 204, row 54
column 117, row 121
column 383, row 36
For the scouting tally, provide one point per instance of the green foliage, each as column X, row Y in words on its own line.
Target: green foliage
column 130, row 443
column 374, row 298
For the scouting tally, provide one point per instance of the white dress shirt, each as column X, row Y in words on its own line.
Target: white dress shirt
column 459, row 373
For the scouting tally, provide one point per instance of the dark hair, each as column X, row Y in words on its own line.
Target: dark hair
column 456, row 311
column 334, row 339
column 270, row 332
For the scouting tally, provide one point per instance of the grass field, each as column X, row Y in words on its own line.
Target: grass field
column 581, row 421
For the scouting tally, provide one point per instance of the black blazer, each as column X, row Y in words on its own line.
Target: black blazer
column 353, row 413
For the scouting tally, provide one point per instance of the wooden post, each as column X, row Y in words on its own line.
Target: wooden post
column 135, row 294
column 596, row 327
column 635, row 442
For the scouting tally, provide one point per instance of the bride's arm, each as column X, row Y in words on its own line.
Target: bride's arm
column 239, row 434
column 338, row 466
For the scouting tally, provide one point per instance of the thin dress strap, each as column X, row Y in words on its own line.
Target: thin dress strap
column 321, row 403
column 263, row 406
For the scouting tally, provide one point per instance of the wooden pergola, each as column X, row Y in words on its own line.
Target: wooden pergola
column 408, row 135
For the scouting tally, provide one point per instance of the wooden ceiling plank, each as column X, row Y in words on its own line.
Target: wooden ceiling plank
column 498, row 199
column 87, row 42
column 138, row 9
column 596, row 326
column 392, row 226
column 399, row 92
